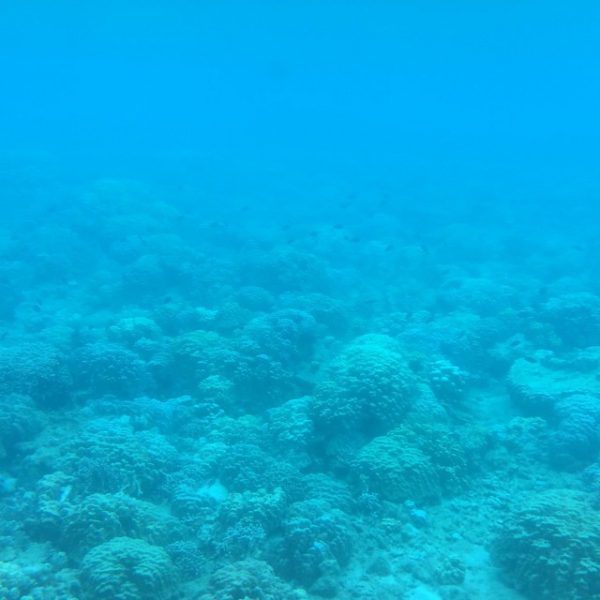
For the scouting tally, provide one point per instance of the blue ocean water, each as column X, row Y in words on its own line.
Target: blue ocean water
column 299, row 301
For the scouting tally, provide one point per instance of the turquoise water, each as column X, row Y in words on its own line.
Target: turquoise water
column 299, row 302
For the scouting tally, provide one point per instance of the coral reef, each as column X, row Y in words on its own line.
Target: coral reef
column 200, row 400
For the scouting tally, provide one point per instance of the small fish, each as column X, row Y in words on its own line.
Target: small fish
column 515, row 343
column 530, row 359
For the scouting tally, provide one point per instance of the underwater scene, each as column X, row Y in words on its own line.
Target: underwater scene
column 299, row 302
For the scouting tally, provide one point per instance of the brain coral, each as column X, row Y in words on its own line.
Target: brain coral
column 549, row 547
column 369, row 387
column 128, row 569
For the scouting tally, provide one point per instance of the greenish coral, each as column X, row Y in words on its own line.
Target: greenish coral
column 397, row 472
column 19, row 421
column 195, row 355
column 416, row 462
column 575, row 318
column 249, row 580
column 369, row 386
column 14, row 582
column 259, row 508
column 37, row 370
column 128, row 569
column 216, row 389
column 549, row 547
column 130, row 330
column 449, row 382
column 108, row 456
column 290, row 426
column 102, row 517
